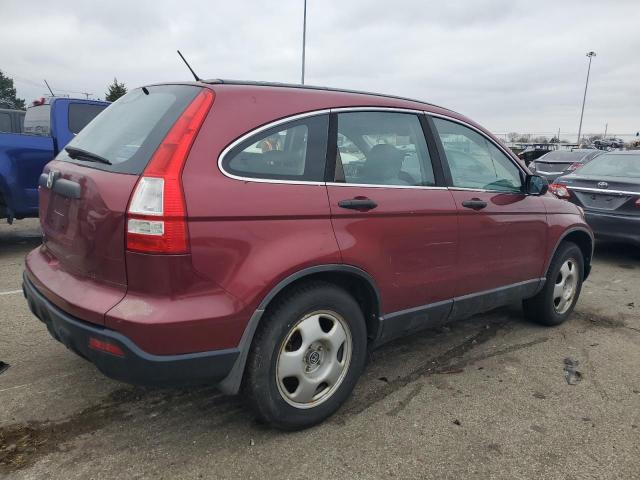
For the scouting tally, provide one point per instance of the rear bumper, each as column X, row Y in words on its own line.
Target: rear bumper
column 614, row 227
column 135, row 365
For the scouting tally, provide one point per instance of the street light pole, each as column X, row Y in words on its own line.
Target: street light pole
column 584, row 98
column 304, row 38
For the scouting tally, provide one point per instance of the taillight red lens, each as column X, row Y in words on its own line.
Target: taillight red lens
column 560, row 190
column 638, row 203
column 156, row 220
column 575, row 166
column 106, row 347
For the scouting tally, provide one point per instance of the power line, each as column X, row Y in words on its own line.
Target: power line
column 42, row 85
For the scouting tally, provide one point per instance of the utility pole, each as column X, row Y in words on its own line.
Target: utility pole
column 606, row 127
column 86, row 94
column 584, row 98
column 304, row 38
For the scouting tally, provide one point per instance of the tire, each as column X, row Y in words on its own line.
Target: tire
column 554, row 303
column 314, row 335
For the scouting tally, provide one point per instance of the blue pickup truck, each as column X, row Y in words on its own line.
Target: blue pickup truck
column 48, row 127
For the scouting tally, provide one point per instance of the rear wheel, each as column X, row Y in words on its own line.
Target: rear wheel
column 555, row 302
column 306, row 357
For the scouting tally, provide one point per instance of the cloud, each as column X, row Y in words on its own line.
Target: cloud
column 510, row 65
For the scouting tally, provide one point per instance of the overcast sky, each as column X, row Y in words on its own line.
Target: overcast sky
column 510, row 65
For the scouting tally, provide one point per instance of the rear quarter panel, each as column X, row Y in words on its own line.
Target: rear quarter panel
column 247, row 236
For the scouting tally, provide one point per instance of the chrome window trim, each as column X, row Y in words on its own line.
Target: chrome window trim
column 258, row 130
column 376, row 109
column 549, row 173
column 484, row 190
column 376, row 185
column 507, row 153
column 620, row 193
column 313, row 113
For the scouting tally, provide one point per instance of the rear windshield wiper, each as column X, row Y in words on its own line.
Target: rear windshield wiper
column 79, row 153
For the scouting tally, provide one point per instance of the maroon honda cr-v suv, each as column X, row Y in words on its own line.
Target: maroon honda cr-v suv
column 263, row 237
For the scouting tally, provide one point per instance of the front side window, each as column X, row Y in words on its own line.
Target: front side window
column 293, row 151
column 474, row 161
column 382, row 148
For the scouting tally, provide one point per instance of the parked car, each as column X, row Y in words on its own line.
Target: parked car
column 183, row 244
column 608, row 189
column 48, row 127
column 554, row 164
column 609, row 143
column 534, row 151
column 11, row 121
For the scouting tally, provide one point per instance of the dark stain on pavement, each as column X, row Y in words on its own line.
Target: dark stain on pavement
column 22, row 444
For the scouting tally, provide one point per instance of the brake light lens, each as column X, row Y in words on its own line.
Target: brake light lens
column 559, row 190
column 105, row 347
column 638, row 202
column 157, row 214
column 574, row 166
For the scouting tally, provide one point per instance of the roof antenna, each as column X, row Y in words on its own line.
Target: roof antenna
column 189, row 67
column 52, row 94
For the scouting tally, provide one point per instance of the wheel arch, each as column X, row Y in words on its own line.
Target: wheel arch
column 353, row 279
column 585, row 241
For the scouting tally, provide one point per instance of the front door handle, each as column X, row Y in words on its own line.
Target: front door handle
column 474, row 204
column 358, row 204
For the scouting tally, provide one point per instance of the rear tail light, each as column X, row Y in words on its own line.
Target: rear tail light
column 157, row 214
column 559, row 190
column 638, row 202
column 574, row 166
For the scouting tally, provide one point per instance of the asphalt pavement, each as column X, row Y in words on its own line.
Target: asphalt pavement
column 490, row 397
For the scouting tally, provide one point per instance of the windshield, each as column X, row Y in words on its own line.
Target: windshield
column 37, row 120
column 611, row 165
column 128, row 132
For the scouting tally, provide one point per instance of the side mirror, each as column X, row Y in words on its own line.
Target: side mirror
column 536, row 185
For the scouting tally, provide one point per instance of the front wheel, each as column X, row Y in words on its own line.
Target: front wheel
column 555, row 302
column 306, row 357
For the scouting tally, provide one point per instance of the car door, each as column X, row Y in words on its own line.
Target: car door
column 392, row 215
column 502, row 229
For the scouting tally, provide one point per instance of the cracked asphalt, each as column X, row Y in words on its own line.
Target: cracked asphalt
column 483, row 398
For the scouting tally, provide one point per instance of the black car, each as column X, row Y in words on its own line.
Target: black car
column 560, row 162
column 608, row 189
column 609, row 143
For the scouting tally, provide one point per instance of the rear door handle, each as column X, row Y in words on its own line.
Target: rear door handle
column 358, row 204
column 474, row 204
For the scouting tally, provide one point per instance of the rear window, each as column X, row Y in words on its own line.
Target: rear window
column 612, row 165
column 5, row 122
column 37, row 120
column 130, row 130
column 80, row 114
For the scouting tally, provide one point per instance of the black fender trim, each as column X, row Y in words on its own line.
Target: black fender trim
column 587, row 262
column 232, row 382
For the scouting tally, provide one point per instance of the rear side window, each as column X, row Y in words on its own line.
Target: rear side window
column 80, row 114
column 294, row 151
column 5, row 122
column 474, row 161
column 129, row 131
column 382, row 148
column 37, row 120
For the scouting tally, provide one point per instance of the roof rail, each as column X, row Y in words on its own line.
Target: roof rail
column 220, row 81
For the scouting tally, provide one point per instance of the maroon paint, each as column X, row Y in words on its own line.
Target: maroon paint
column 420, row 245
